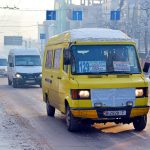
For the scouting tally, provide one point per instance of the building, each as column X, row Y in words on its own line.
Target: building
column 90, row 18
column 97, row 13
column 91, row 11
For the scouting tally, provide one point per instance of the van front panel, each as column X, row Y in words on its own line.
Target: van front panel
column 109, row 79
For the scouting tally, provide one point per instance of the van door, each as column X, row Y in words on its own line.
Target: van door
column 56, row 78
column 47, row 75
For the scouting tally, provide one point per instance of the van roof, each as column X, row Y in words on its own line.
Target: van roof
column 21, row 51
column 91, row 34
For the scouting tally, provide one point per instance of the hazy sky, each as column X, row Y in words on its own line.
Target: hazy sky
column 22, row 23
column 16, row 19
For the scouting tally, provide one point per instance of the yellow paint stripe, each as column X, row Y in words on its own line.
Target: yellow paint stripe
column 139, row 111
column 85, row 113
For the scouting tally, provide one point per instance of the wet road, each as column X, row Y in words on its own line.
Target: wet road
column 25, row 125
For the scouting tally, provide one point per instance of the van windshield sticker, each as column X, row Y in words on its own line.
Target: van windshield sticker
column 121, row 66
column 83, row 52
column 92, row 66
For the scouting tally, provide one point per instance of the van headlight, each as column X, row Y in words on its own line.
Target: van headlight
column 40, row 75
column 80, row 94
column 139, row 92
column 18, row 75
column 84, row 94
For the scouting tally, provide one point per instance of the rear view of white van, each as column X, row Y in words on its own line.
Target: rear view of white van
column 24, row 67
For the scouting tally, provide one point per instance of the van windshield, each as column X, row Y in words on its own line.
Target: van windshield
column 3, row 62
column 104, row 59
column 27, row 60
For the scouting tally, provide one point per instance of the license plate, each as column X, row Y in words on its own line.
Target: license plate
column 30, row 81
column 115, row 113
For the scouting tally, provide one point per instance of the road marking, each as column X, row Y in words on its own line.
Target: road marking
column 139, row 135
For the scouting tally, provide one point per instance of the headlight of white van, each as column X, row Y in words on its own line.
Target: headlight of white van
column 18, row 76
column 139, row 92
column 40, row 75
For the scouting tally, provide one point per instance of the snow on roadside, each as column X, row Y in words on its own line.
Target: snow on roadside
column 14, row 134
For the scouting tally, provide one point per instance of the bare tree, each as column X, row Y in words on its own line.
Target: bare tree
column 145, row 7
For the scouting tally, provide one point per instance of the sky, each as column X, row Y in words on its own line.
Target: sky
column 18, row 18
column 23, row 22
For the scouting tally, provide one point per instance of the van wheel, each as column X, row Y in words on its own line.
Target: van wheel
column 140, row 122
column 50, row 109
column 9, row 82
column 72, row 122
column 14, row 84
column 40, row 85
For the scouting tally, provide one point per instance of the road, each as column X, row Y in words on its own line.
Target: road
column 24, row 125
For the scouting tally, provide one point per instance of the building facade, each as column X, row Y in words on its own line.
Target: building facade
column 97, row 13
column 91, row 16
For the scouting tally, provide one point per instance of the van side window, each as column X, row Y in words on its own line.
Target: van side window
column 57, row 58
column 49, row 57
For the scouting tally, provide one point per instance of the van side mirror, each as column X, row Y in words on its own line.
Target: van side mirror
column 146, row 67
column 67, row 57
column 11, row 64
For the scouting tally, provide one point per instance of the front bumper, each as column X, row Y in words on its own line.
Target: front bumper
column 98, row 113
column 21, row 81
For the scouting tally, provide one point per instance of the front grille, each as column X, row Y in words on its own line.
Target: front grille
column 29, row 75
column 115, row 97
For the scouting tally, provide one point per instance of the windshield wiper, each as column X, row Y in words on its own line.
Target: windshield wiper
column 92, row 73
column 106, row 73
column 120, row 72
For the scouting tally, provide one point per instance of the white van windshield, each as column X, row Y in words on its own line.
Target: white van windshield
column 3, row 62
column 104, row 59
column 27, row 60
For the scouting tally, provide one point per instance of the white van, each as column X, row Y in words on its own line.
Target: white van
column 3, row 66
column 24, row 67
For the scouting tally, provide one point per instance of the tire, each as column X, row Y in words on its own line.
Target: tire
column 140, row 122
column 50, row 109
column 9, row 82
column 71, row 122
column 40, row 85
column 14, row 84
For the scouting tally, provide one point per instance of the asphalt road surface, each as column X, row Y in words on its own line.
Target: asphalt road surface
column 24, row 125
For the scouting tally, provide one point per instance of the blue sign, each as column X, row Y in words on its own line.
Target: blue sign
column 13, row 40
column 77, row 15
column 50, row 15
column 42, row 36
column 115, row 15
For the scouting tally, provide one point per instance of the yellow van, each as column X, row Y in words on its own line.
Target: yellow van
column 94, row 75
